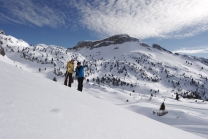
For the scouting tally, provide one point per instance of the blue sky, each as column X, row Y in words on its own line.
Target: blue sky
column 179, row 25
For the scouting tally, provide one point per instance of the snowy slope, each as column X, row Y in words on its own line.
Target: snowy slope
column 128, row 71
column 34, row 107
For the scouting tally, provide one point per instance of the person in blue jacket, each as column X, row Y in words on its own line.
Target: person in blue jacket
column 80, row 75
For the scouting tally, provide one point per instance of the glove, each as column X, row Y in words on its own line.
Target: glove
column 65, row 74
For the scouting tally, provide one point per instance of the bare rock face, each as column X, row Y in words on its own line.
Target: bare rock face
column 1, row 48
column 117, row 39
column 144, row 44
column 2, row 51
column 156, row 46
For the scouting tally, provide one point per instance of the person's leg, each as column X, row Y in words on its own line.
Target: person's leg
column 70, row 79
column 66, row 78
column 81, row 84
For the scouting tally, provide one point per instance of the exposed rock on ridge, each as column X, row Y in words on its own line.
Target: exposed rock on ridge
column 156, row 46
column 117, row 39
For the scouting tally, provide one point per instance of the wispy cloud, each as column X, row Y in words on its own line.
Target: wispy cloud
column 31, row 13
column 146, row 18
column 194, row 50
column 138, row 18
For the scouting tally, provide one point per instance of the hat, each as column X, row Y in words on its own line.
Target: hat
column 78, row 63
column 72, row 60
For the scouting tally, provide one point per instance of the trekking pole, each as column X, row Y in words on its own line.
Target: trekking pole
column 75, row 82
column 86, row 84
column 65, row 83
column 74, row 78
column 83, row 85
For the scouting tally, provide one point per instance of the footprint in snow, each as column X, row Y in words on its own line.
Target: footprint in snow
column 55, row 110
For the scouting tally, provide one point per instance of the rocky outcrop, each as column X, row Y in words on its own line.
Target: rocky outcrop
column 144, row 44
column 2, row 51
column 117, row 39
column 156, row 46
column 2, row 32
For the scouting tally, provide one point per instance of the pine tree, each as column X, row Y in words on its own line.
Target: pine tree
column 162, row 107
column 177, row 96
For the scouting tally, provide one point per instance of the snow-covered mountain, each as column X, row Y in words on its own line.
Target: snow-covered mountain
column 127, row 72
column 127, row 64
column 36, row 108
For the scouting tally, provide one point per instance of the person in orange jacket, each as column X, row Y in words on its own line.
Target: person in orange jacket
column 69, row 71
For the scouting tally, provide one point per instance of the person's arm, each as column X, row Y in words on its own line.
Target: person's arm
column 76, row 70
column 85, row 66
column 67, row 66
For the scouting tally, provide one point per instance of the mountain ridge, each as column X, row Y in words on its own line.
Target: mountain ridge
column 113, row 40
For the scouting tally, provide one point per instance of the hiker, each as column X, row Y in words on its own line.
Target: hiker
column 80, row 75
column 69, row 71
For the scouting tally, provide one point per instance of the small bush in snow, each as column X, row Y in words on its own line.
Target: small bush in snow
column 54, row 79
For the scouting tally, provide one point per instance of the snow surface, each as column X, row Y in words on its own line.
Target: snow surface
column 6, row 60
column 187, row 114
column 34, row 107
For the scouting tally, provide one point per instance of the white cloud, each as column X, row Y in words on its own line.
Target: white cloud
column 146, row 18
column 194, row 50
column 138, row 18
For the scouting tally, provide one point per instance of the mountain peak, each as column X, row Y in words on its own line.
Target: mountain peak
column 116, row 39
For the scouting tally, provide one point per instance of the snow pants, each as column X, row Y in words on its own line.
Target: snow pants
column 68, row 75
column 80, row 84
